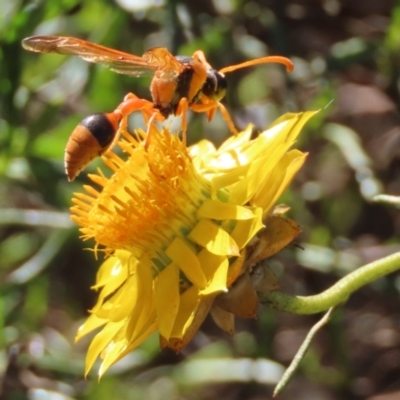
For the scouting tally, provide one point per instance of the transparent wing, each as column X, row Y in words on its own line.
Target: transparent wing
column 169, row 66
column 118, row 61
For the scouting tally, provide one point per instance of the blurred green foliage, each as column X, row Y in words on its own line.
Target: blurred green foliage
column 343, row 51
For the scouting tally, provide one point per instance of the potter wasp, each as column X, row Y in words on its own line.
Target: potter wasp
column 179, row 83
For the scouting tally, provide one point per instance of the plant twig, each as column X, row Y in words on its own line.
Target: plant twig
column 336, row 294
column 300, row 353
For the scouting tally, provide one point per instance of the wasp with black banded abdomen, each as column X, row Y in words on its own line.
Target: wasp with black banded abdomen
column 179, row 83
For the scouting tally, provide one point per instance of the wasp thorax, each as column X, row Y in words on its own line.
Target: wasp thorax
column 215, row 85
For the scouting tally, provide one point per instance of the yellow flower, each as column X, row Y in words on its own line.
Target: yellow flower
column 175, row 223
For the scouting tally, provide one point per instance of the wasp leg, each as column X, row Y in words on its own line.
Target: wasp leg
column 130, row 104
column 133, row 103
column 209, row 107
column 211, row 113
column 150, row 125
column 123, row 125
column 150, row 114
column 146, row 112
column 227, row 118
column 182, row 110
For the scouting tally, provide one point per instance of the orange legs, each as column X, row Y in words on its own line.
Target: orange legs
column 182, row 110
column 209, row 106
column 134, row 103
column 150, row 114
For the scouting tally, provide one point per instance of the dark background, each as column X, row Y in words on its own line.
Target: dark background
column 346, row 55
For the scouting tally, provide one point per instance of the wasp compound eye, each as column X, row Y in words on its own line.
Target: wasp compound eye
column 215, row 85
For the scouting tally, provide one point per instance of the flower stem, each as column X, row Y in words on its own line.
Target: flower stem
column 336, row 294
column 300, row 354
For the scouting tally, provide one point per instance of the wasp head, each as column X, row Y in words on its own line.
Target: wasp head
column 215, row 85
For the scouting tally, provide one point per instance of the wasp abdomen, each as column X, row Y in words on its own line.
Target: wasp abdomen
column 90, row 139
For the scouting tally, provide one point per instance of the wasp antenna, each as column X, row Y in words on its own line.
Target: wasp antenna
column 263, row 60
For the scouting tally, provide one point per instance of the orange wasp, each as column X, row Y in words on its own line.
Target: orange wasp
column 179, row 83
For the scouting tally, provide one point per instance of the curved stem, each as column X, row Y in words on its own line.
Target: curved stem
column 336, row 294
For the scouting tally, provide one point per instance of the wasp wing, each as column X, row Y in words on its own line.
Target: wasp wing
column 118, row 61
column 169, row 67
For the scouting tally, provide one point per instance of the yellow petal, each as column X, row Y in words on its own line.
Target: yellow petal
column 191, row 328
column 125, row 300
column 212, row 237
column 295, row 122
column 187, row 307
column 236, row 141
column 228, row 178
column 144, row 301
column 92, row 323
column 216, row 270
column 126, row 346
column 144, row 324
column 186, row 259
column 214, row 209
column 111, row 356
column 111, row 269
column 102, row 308
column 201, row 148
column 278, row 180
column 210, row 263
column 100, row 342
column 118, row 273
column 143, row 335
column 243, row 190
column 114, row 304
column 192, row 312
column 166, row 290
column 245, row 230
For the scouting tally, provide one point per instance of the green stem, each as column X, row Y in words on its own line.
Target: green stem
column 336, row 294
